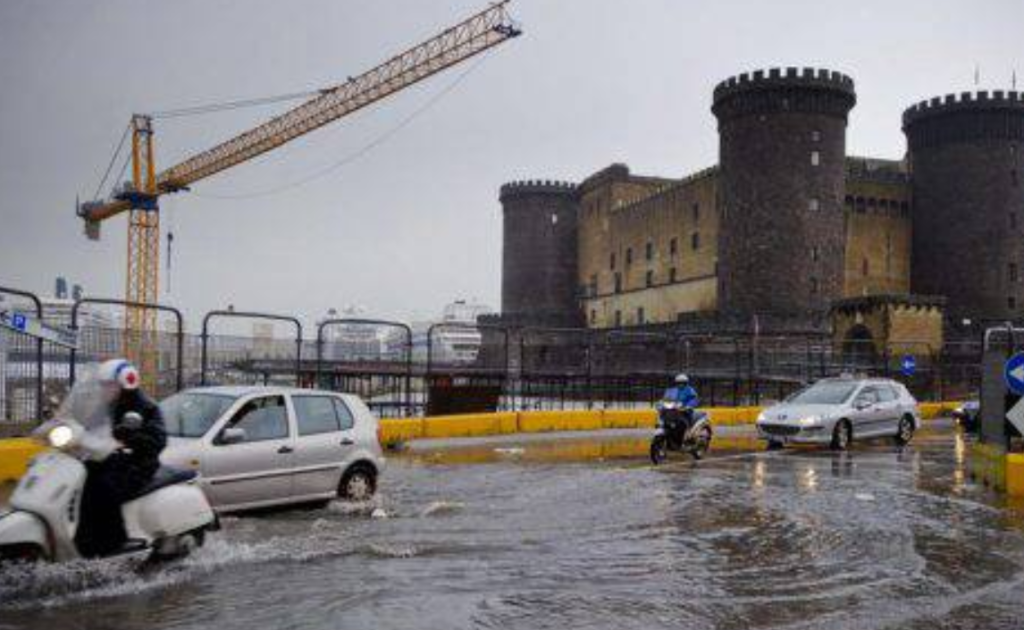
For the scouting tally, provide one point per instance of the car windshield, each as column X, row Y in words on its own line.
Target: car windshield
column 191, row 414
column 824, row 393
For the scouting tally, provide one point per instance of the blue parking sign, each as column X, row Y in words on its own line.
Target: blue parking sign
column 909, row 365
column 19, row 321
column 1014, row 373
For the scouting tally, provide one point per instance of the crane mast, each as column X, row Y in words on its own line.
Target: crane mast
column 140, row 196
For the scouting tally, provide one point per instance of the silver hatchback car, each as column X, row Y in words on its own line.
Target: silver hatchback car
column 836, row 411
column 257, row 447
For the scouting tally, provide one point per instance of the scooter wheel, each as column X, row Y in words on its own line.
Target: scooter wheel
column 659, row 450
column 178, row 546
column 701, row 444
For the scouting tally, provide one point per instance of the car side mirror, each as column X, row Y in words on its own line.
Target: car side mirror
column 232, row 435
column 860, row 403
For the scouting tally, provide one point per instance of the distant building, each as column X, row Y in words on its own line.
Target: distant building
column 454, row 339
column 786, row 225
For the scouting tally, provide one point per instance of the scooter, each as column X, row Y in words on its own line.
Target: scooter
column 675, row 433
column 169, row 517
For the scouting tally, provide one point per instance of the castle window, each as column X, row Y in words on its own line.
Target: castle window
column 695, row 241
column 814, row 286
column 611, row 261
column 815, row 136
column 673, row 246
column 640, row 315
column 618, row 283
column 1011, row 303
column 629, row 256
column 1012, row 272
column 815, row 158
column 865, row 267
column 672, row 274
column 649, row 250
column 650, row 278
column 593, row 317
column 554, row 219
column 696, row 212
column 813, row 204
column 814, row 253
column 618, row 318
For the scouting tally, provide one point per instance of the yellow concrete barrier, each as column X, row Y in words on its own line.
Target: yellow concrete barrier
column 1015, row 474
column 470, row 425
column 628, row 418
column 572, row 420
column 396, row 430
column 15, row 454
column 930, row 411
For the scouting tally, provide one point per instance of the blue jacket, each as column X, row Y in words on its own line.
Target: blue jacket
column 686, row 395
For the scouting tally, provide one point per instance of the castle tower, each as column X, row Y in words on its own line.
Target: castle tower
column 538, row 282
column 782, row 147
column 967, row 170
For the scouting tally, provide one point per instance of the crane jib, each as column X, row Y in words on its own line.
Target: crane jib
column 470, row 37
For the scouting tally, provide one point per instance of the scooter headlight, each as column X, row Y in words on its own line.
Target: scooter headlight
column 60, row 436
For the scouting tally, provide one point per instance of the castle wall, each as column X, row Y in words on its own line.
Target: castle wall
column 878, row 228
column 650, row 260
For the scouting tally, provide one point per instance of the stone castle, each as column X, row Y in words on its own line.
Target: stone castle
column 787, row 229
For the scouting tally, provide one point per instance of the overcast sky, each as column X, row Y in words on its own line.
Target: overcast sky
column 415, row 222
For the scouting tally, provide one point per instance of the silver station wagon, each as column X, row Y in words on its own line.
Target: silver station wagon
column 257, row 447
column 837, row 411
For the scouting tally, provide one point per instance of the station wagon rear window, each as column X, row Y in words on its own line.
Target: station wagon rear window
column 823, row 393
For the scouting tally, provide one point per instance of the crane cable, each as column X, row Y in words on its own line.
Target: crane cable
column 352, row 157
column 209, row 108
column 113, row 159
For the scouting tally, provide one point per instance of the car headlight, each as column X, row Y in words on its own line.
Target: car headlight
column 60, row 436
column 760, row 417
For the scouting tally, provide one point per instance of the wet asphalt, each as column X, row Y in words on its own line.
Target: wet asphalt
column 580, row 532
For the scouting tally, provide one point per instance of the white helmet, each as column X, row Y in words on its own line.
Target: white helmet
column 682, row 379
column 120, row 372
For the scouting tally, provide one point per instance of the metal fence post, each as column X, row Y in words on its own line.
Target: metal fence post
column 39, row 345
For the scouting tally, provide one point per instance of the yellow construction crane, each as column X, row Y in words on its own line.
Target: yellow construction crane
column 140, row 196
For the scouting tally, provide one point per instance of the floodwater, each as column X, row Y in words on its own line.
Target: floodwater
column 582, row 533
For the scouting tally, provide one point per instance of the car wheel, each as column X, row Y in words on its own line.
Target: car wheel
column 905, row 432
column 775, row 445
column 358, row 484
column 841, row 436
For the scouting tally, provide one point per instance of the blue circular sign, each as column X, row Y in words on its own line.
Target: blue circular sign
column 1014, row 373
column 909, row 365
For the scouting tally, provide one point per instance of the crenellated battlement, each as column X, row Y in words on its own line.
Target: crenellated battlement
column 964, row 102
column 814, row 78
column 537, row 186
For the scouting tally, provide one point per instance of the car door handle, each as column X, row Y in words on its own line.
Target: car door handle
column 347, row 441
column 284, row 450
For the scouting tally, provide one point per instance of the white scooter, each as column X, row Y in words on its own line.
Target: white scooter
column 169, row 517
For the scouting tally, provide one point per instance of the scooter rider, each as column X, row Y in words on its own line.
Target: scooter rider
column 138, row 426
column 684, row 394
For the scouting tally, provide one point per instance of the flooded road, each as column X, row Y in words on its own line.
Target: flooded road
column 582, row 533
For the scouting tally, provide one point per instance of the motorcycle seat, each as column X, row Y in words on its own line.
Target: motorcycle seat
column 165, row 476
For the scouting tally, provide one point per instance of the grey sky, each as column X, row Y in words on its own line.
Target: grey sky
column 414, row 223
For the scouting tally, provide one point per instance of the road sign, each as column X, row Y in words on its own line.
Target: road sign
column 1016, row 415
column 1013, row 373
column 909, row 365
column 34, row 328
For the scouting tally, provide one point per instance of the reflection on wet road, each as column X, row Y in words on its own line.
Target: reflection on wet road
column 583, row 534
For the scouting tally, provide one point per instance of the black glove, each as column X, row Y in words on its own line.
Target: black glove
column 126, row 428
